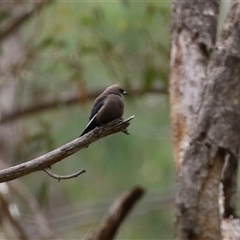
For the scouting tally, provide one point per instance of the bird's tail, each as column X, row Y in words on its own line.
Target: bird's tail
column 90, row 126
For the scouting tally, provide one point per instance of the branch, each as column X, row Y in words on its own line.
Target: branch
column 64, row 151
column 58, row 177
column 7, row 215
column 116, row 214
column 22, row 19
column 28, row 200
column 67, row 101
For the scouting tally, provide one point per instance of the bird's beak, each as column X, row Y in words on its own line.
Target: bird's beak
column 125, row 93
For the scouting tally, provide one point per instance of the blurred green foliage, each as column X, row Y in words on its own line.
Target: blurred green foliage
column 75, row 45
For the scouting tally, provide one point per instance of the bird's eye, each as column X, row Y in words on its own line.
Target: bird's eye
column 123, row 92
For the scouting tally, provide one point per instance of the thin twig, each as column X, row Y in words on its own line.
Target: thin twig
column 64, row 151
column 58, row 177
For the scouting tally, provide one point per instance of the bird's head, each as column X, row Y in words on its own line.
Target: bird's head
column 116, row 89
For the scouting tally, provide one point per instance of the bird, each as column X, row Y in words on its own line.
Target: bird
column 109, row 105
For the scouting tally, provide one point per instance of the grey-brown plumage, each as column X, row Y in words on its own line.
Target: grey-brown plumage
column 108, row 106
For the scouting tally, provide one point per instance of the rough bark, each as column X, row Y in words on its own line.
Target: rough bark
column 214, row 135
column 194, row 29
column 229, row 187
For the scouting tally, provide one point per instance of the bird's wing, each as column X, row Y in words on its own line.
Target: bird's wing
column 92, row 123
column 98, row 104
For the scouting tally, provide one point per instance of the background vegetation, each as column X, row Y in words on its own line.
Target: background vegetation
column 74, row 47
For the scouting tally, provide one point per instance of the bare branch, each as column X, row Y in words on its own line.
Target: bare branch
column 42, row 223
column 64, row 151
column 58, row 177
column 67, row 101
column 116, row 214
column 22, row 19
column 6, row 213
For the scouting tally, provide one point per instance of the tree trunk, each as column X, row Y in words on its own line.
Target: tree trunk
column 194, row 29
column 205, row 103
